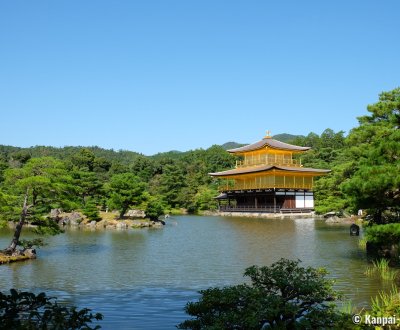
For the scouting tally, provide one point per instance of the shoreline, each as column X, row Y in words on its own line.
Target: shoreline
column 259, row 214
column 7, row 259
column 267, row 215
column 330, row 220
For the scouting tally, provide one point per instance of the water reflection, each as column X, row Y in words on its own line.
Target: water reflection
column 142, row 278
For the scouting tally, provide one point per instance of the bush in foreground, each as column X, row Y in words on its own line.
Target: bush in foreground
column 281, row 296
column 25, row 310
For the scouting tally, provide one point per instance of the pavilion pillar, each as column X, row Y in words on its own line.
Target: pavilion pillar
column 255, row 202
column 274, row 201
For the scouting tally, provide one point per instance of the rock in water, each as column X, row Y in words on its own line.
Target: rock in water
column 121, row 225
column 31, row 253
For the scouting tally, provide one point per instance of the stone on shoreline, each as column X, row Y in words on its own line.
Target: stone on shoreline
column 336, row 220
column 121, row 225
column 135, row 214
column 72, row 219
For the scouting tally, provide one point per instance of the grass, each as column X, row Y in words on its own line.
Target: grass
column 381, row 267
column 347, row 307
column 362, row 243
column 108, row 215
column 370, row 271
column 5, row 259
column 386, row 303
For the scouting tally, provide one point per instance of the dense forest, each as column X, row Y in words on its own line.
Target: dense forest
column 365, row 173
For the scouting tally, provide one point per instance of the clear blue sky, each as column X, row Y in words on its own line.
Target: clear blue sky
column 153, row 76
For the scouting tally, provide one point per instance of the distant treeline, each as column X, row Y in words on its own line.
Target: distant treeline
column 365, row 170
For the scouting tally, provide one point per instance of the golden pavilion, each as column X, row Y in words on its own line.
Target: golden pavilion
column 268, row 179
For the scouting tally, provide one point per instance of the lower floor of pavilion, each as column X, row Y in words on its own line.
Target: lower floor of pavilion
column 267, row 200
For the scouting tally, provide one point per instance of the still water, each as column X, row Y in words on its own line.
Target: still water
column 142, row 278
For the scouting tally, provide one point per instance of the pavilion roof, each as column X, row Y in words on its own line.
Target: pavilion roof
column 270, row 142
column 265, row 168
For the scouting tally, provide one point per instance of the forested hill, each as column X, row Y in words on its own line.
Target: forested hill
column 287, row 138
column 123, row 156
column 283, row 137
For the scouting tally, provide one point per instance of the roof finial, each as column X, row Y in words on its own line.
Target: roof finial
column 268, row 136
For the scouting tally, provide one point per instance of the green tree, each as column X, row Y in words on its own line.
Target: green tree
column 84, row 160
column 143, row 167
column 91, row 211
column 87, row 185
column 281, row 296
column 3, row 167
column 375, row 148
column 19, row 158
column 154, row 208
column 205, row 198
column 125, row 191
column 101, row 165
column 172, row 181
column 39, row 186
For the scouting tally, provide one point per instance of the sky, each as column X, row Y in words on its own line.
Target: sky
column 152, row 76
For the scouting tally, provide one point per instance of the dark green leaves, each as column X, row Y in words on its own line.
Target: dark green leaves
column 25, row 310
column 281, row 296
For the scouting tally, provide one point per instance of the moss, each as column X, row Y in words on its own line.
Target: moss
column 177, row 211
column 5, row 259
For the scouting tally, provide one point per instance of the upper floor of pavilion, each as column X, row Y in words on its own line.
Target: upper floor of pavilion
column 268, row 151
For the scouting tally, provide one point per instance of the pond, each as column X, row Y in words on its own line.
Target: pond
column 142, row 278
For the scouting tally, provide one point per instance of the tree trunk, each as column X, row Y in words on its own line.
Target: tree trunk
column 123, row 211
column 14, row 242
column 378, row 216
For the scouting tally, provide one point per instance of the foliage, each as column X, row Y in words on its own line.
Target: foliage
column 87, row 185
column 381, row 267
column 172, row 182
column 375, row 144
column 25, row 310
column 205, row 198
column 28, row 244
column 281, row 296
column 125, row 191
column 154, row 208
column 383, row 234
column 8, row 206
column 362, row 243
column 48, row 182
column 386, row 304
column 91, row 211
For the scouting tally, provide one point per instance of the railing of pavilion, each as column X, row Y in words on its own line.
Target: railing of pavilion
column 248, row 185
column 262, row 209
column 249, row 208
column 268, row 160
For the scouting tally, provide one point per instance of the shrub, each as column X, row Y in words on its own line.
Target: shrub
column 283, row 295
column 25, row 310
column 384, row 234
column 91, row 211
column 386, row 304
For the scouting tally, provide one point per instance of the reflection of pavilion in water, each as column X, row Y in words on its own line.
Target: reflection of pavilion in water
column 268, row 179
